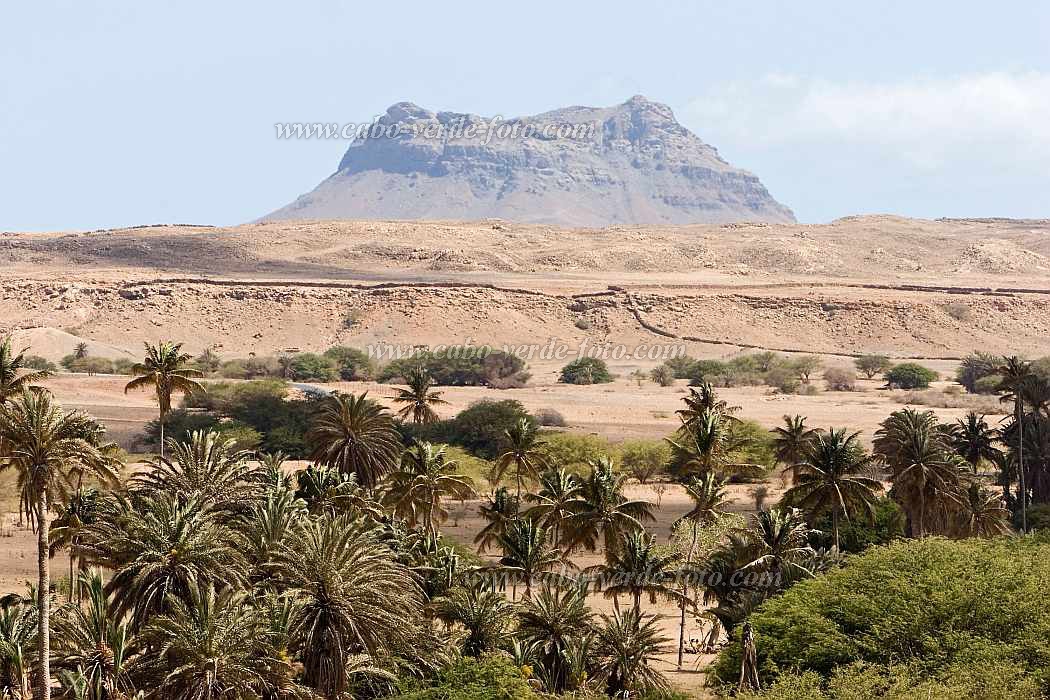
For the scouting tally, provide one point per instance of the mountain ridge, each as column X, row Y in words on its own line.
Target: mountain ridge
column 631, row 163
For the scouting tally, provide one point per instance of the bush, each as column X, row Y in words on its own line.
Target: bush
column 988, row 385
column 932, row 605
column 353, row 365
column 574, row 450
column 40, row 364
column 644, row 459
column 840, row 379
column 90, row 365
column 783, row 379
column 123, row 365
column 244, row 436
column 662, row 375
column 310, row 367
column 805, row 366
column 870, row 365
column 586, row 370
column 550, row 418
column 682, row 367
column 481, row 427
column 179, row 425
column 488, row 678
column 454, row 367
column 858, row 533
column 909, row 375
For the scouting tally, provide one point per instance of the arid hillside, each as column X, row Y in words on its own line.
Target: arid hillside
column 908, row 288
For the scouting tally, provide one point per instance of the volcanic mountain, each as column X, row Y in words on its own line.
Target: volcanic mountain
column 577, row 166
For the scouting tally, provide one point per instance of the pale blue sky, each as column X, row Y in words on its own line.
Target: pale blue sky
column 117, row 113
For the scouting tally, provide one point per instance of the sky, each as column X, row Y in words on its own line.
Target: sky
column 120, row 113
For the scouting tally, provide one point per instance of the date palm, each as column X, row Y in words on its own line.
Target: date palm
column 354, row 598
column 426, row 478
column 500, row 511
column 96, row 640
column 207, row 469
column 1016, row 375
column 18, row 630
column 552, row 622
column 15, row 375
column 835, row 478
column 419, row 398
column 779, row 540
column 157, row 546
column 637, row 568
column 212, row 644
column 558, row 489
column 626, row 647
column 790, row 442
column 47, row 447
column 357, row 436
column 703, row 399
column 982, row 514
column 525, row 455
column 484, row 614
column 708, row 496
column 71, row 520
column 925, row 472
column 974, row 440
column 602, row 513
column 264, row 528
column 327, row 491
column 166, row 370
column 706, row 444
column 528, row 552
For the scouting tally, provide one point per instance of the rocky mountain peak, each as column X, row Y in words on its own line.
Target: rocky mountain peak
column 631, row 163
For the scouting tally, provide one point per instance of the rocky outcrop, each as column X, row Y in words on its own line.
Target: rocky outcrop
column 579, row 166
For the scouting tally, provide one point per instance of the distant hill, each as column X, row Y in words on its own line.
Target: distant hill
column 577, row 166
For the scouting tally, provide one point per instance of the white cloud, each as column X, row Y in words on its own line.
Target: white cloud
column 931, row 123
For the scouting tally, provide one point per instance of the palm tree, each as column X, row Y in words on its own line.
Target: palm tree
column 326, row 491
column 418, row 398
column 526, row 551
column 552, row 622
column 835, row 478
column 525, row 454
column 69, row 524
column 485, row 615
column 165, row 369
column 925, row 472
column 45, row 446
column 637, row 568
column 355, row 598
column 212, row 645
column 426, row 478
column 1016, row 374
column 157, row 546
column 15, row 375
column 790, row 442
column 709, row 499
column 207, row 469
column 97, row 641
column 80, row 350
column 780, row 542
column 703, row 399
column 973, row 439
column 602, row 513
column 356, row 436
column 18, row 631
column 626, row 647
column 706, row 445
column 558, row 489
column 499, row 512
column 982, row 514
column 264, row 529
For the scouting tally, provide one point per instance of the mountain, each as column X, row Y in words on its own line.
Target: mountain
column 578, row 166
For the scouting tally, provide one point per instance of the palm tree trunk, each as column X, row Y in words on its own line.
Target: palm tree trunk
column 922, row 511
column 835, row 526
column 685, row 594
column 43, row 640
column 1019, row 410
column 162, row 435
column 638, row 600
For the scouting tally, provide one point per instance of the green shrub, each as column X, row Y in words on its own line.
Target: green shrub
column 460, row 367
column 310, row 367
column 550, row 418
column 858, row 533
column 988, row 385
column 353, row 365
column 662, row 375
column 783, row 379
column 682, row 367
column 644, row 459
column 586, row 370
column 482, row 426
column 40, row 364
column 943, row 609
column 909, row 375
column 870, row 365
column 90, row 365
column 975, row 367
column 244, row 436
column 488, row 678
column 574, row 450
column 179, row 425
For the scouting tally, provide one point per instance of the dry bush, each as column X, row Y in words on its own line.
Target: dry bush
column 840, row 379
column 933, row 398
